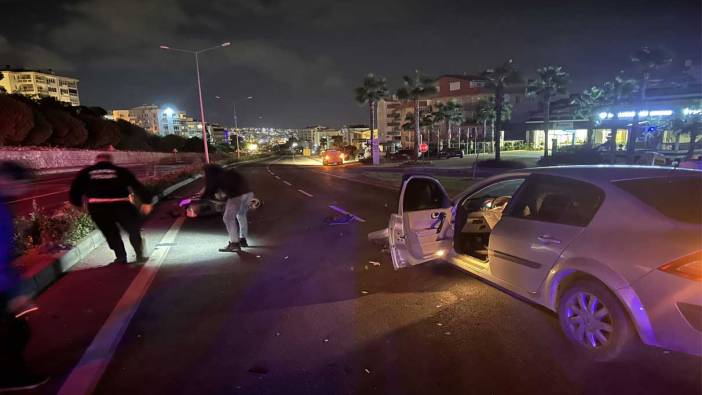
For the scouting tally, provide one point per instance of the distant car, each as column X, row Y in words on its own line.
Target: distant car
column 614, row 251
column 332, row 157
column 403, row 154
column 451, row 153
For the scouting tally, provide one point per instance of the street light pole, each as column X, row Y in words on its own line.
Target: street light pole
column 199, row 89
column 236, row 128
column 202, row 111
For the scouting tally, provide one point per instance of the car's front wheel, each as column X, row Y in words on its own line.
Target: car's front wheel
column 594, row 320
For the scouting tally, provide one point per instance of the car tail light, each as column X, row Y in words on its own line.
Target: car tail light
column 689, row 266
column 326, row 157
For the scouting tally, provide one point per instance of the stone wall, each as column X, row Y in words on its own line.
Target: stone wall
column 57, row 159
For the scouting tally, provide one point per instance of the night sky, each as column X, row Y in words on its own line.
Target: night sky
column 302, row 59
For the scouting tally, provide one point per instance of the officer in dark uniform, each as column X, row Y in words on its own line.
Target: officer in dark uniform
column 106, row 188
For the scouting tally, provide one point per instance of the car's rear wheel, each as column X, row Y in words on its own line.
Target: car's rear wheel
column 594, row 320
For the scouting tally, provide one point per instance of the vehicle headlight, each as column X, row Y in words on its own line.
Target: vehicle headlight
column 689, row 267
column 326, row 157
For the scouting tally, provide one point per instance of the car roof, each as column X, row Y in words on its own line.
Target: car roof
column 609, row 173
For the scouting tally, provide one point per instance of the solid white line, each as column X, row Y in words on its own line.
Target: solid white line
column 38, row 196
column 342, row 211
column 86, row 375
column 305, row 193
column 287, row 183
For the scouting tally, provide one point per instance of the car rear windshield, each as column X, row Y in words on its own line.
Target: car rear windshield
column 678, row 198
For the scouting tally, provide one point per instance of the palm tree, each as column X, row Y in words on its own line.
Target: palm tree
column 498, row 79
column 372, row 90
column 414, row 89
column 451, row 113
column 485, row 113
column 688, row 121
column 551, row 81
column 586, row 106
column 646, row 61
column 617, row 92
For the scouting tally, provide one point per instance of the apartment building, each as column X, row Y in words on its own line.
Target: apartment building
column 38, row 84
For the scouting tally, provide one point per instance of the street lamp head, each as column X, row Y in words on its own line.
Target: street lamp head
column 226, row 44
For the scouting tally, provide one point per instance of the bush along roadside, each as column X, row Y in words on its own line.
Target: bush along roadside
column 45, row 231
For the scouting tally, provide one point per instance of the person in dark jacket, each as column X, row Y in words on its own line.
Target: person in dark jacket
column 14, row 331
column 105, row 188
column 234, row 186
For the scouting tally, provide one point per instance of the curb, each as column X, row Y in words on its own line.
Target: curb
column 38, row 280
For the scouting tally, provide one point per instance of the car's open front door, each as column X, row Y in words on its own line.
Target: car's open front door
column 421, row 229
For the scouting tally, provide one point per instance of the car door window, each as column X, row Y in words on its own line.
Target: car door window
column 501, row 189
column 557, row 200
column 424, row 194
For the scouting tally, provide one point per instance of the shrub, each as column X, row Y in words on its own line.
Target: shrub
column 502, row 164
column 579, row 156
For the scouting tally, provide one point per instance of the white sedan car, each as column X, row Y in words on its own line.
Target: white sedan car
column 616, row 252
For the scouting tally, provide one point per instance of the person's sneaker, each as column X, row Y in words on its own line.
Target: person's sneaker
column 243, row 242
column 232, row 247
column 142, row 259
column 119, row 261
column 23, row 382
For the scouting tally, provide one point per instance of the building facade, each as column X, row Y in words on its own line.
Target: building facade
column 38, row 84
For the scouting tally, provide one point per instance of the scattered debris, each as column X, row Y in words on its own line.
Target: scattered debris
column 447, row 333
column 374, row 263
column 286, row 257
column 364, row 292
column 365, row 267
column 438, row 306
column 258, row 256
column 343, row 219
column 351, row 268
column 277, row 333
column 666, row 352
column 326, row 340
column 439, row 324
column 367, row 371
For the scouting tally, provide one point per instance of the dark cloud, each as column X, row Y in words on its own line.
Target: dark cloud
column 301, row 59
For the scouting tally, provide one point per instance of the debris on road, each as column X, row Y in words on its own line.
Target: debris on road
column 258, row 256
column 367, row 371
column 326, row 340
column 343, row 219
column 286, row 257
column 364, row 292
column 439, row 324
column 374, row 263
column 447, row 333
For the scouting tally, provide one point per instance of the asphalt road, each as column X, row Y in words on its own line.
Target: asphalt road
column 50, row 191
column 305, row 311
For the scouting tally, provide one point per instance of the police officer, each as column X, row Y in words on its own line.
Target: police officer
column 106, row 188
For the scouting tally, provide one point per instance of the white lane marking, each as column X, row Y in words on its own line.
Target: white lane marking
column 305, row 193
column 38, row 196
column 277, row 177
column 287, row 183
column 342, row 211
column 86, row 375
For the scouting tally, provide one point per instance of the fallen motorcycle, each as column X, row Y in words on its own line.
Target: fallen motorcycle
column 195, row 206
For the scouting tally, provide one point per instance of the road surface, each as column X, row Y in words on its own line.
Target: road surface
column 310, row 308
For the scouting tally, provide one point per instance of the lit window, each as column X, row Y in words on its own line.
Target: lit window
column 454, row 86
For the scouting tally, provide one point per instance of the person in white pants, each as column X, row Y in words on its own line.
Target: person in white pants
column 234, row 186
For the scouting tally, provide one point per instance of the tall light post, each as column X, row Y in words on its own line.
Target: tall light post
column 236, row 121
column 199, row 87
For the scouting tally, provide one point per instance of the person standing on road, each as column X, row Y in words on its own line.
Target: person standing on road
column 106, row 189
column 239, row 195
column 14, row 331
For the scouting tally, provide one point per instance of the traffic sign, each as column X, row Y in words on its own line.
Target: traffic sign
column 423, row 147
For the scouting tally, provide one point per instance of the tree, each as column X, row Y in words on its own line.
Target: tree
column 551, row 81
column 646, row 61
column 688, row 121
column 414, row 89
column 68, row 131
column 499, row 79
column 101, row 132
column 587, row 104
column 16, row 120
column 372, row 90
column 617, row 92
column 451, row 113
column 133, row 137
column 42, row 130
column 485, row 113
